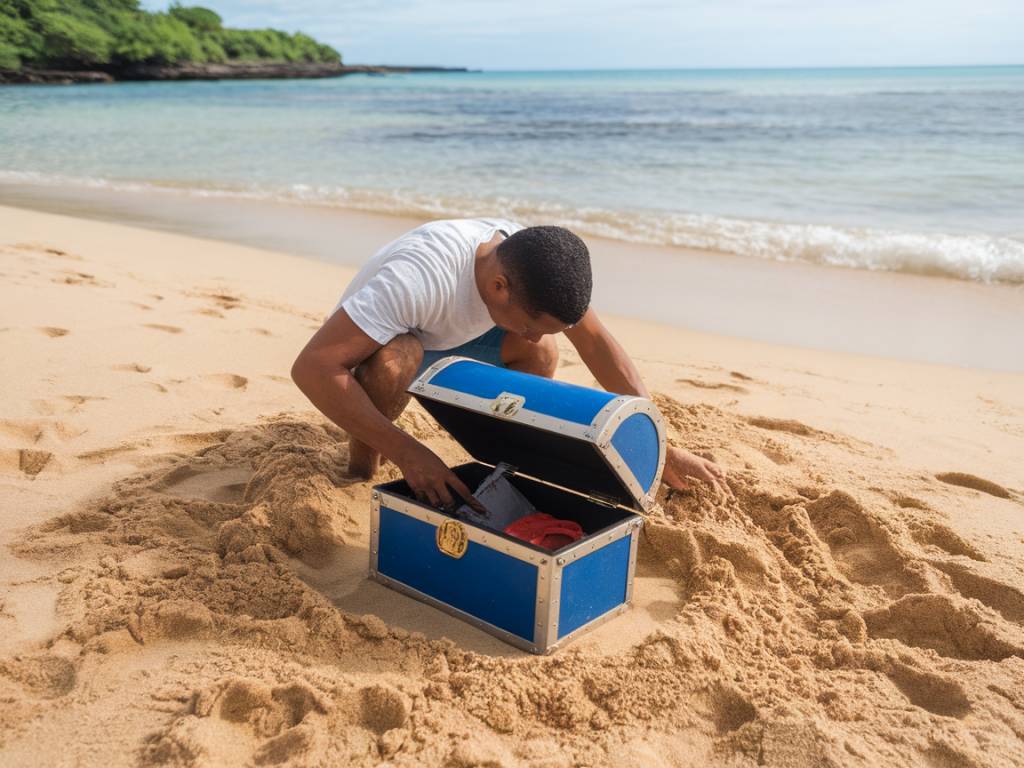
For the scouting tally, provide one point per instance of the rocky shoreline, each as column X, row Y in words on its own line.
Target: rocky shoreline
column 242, row 71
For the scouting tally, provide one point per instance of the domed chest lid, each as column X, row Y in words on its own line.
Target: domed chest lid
column 610, row 447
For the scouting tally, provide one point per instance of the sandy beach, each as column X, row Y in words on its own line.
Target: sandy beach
column 184, row 556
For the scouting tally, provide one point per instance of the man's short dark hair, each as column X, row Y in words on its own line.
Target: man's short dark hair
column 548, row 270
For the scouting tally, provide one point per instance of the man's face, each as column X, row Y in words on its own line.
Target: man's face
column 515, row 319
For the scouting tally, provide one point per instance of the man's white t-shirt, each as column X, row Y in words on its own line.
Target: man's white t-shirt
column 424, row 283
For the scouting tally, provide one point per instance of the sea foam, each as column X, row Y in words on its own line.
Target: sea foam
column 974, row 257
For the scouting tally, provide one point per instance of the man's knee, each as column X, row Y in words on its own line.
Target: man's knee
column 540, row 358
column 397, row 361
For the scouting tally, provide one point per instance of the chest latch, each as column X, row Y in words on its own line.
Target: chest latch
column 507, row 405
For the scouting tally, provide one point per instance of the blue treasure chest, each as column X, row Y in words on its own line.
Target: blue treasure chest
column 578, row 454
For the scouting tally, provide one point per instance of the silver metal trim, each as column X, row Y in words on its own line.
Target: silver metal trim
column 542, row 608
column 590, row 625
column 605, row 425
column 631, row 571
column 488, row 537
column 374, row 530
column 596, row 541
column 483, row 405
column 501, row 634
column 554, row 607
column 433, row 370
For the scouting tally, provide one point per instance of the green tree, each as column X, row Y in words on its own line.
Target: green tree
column 156, row 38
column 200, row 19
column 69, row 40
column 116, row 33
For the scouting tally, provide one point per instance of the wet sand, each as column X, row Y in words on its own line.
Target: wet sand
column 902, row 316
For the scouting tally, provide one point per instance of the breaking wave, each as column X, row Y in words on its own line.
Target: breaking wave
column 975, row 257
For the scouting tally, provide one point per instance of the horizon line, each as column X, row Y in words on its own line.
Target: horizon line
column 780, row 68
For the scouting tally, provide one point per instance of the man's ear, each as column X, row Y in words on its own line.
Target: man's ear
column 501, row 287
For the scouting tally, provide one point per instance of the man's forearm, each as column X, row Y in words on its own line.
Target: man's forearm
column 338, row 395
column 613, row 368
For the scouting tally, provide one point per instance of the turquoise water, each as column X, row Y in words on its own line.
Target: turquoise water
column 908, row 169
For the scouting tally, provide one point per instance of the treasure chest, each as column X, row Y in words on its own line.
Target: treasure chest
column 586, row 457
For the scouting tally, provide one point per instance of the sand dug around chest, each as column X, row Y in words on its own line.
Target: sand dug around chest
column 217, row 612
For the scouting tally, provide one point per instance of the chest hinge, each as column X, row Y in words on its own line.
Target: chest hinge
column 601, row 499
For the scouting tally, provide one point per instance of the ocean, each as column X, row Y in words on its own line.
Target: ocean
column 914, row 170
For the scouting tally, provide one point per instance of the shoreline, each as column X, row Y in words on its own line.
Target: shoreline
column 895, row 315
column 257, row 70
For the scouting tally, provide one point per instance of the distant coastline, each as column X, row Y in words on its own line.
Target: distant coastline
column 256, row 70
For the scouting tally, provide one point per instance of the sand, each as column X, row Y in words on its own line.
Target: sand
column 185, row 556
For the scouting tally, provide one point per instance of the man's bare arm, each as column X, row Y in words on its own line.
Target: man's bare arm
column 323, row 371
column 605, row 357
column 615, row 371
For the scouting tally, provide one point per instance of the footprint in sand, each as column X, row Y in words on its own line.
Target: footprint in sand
column 100, row 455
column 36, row 248
column 1005, row 599
column 32, row 431
column 28, row 461
column 54, row 332
column 226, row 380
column 713, row 385
column 729, row 709
column 931, row 691
column 41, row 674
column 225, row 300
column 776, row 452
column 908, row 502
column 164, row 328
column 225, row 486
column 132, row 367
column 283, row 723
column 79, row 400
column 791, row 426
column 860, row 547
column 200, row 439
column 949, row 625
column 973, row 482
column 938, row 535
column 209, row 312
column 80, row 278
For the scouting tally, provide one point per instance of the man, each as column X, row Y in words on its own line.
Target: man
column 488, row 289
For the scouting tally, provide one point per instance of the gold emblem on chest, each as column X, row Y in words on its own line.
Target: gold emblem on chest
column 452, row 538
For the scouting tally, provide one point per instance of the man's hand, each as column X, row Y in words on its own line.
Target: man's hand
column 429, row 478
column 680, row 464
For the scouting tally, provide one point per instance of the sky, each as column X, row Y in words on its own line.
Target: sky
column 613, row 34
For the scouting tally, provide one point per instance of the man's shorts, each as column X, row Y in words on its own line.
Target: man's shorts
column 485, row 348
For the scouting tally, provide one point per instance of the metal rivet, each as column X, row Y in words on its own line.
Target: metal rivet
column 561, row 561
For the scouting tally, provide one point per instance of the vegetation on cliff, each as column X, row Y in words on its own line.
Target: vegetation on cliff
column 114, row 35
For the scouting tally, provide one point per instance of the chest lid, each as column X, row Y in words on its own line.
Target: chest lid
column 611, row 447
